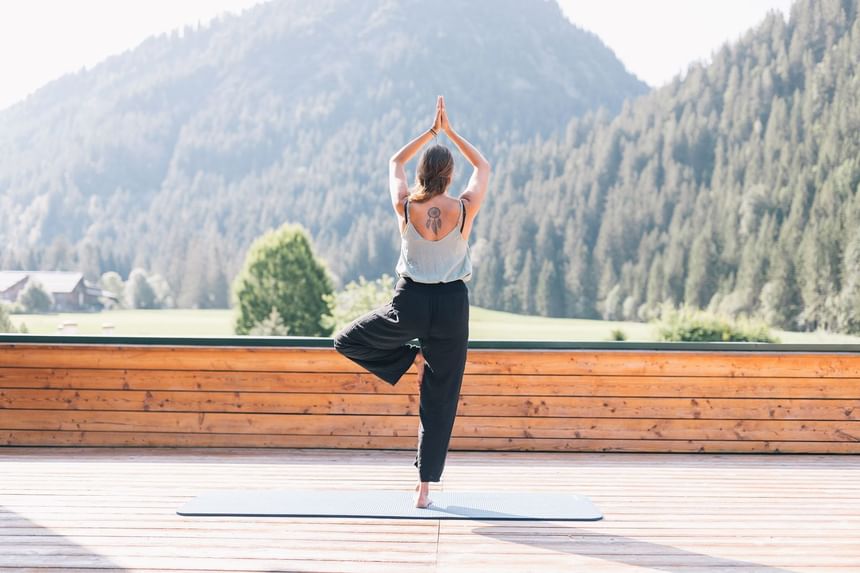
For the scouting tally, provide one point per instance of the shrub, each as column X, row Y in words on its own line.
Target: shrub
column 618, row 334
column 138, row 290
column 692, row 325
column 112, row 282
column 34, row 298
column 162, row 293
column 6, row 322
column 357, row 299
column 14, row 307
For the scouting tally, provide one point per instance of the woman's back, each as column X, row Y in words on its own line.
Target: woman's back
column 435, row 218
column 435, row 228
column 433, row 247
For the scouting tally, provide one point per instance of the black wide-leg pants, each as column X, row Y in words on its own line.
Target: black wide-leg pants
column 438, row 316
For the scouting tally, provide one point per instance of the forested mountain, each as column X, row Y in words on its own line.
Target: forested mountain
column 734, row 187
column 175, row 155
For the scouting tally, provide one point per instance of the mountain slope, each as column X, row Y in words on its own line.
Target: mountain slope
column 734, row 188
column 176, row 154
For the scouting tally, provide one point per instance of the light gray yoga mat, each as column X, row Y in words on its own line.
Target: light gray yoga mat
column 551, row 506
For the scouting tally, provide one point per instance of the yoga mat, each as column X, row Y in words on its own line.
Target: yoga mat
column 514, row 506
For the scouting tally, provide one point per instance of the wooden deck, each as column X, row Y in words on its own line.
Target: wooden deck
column 113, row 509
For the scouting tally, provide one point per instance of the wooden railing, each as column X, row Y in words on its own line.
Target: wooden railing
column 541, row 396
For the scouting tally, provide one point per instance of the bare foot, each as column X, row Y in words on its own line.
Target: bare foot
column 419, row 364
column 422, row 498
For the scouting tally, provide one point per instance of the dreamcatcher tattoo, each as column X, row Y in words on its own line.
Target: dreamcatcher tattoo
column 434, row 220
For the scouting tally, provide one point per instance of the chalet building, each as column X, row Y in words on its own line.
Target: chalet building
column 70, row 290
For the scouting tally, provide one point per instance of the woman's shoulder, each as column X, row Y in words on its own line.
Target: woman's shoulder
column 441, row 201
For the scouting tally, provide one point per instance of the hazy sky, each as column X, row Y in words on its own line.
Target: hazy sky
column 656, row 39
column 41, row 40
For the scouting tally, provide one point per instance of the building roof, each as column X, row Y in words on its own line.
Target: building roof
column 8, row 279
column 52, row 281
column 97, row 291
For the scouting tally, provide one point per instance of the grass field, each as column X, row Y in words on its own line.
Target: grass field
column 168, row 322
column 484, row 324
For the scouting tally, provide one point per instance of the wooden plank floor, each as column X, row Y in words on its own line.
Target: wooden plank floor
column 113, row 509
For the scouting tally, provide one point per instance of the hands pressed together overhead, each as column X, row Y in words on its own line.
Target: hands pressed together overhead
column 441, row 121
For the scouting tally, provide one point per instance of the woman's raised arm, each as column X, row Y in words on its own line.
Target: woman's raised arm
column 480, row 179
column 397, row 185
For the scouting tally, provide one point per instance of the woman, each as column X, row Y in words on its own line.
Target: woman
column 431, row 301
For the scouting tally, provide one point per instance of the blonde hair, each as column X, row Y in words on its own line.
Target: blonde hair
column 433, row 175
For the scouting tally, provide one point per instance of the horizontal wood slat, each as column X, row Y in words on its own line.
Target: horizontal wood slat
column 473, row 384
column 535, row 400
column 615, row 362
column 381, row 404
column 477, row 426
column 179, row 439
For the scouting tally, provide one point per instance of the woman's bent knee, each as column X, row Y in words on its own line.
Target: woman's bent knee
column 341, row 341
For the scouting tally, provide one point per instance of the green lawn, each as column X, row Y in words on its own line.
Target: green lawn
column 484, row 324
column 172, row 322
column 498, row 325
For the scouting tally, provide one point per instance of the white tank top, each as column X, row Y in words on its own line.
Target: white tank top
column 442, row 261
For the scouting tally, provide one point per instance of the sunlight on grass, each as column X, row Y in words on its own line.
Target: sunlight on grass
column 497, row 325
column 170, row 322
column 484, row 324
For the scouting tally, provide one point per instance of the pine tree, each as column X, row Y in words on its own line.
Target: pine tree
column 849, row 302
column 549, row 294
column 701, row 283
column 525, row 285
